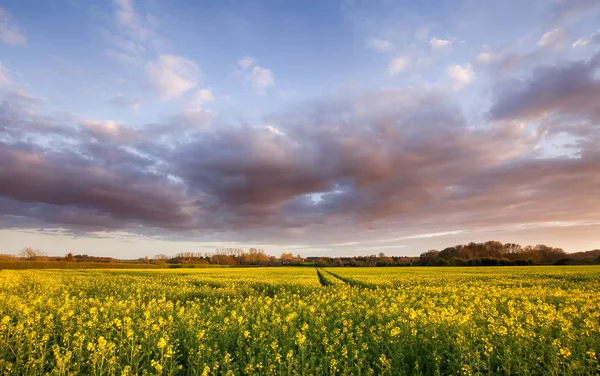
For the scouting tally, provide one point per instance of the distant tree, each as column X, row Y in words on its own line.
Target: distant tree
column 429, row 257
column 70, row 258
column 322, row 261
column 223, row 260
column 383, row 260
column 512, row 248
column 31, row 254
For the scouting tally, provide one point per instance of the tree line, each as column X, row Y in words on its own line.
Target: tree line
column 495, row 253
column 490, row 253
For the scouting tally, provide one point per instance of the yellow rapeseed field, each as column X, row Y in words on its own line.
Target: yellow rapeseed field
column 300, row 321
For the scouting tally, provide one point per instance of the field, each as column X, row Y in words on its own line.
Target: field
column 300, row 321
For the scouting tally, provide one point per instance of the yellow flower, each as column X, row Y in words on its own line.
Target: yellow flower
column 565, row 352
column 156, row 365
column 101, row 342
column 300, row 338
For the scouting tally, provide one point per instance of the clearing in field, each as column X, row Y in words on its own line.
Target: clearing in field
column 301, row 321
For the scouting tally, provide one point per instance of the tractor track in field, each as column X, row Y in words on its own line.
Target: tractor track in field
column 322, row 279
column 349, row 281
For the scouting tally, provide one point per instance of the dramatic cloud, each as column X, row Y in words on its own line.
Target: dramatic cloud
column 375, row 160
column 67, row 187
column 512, row 60
column 172, row 75
column 460, row 75
column 379, row 45
column 397, row 65
column 569, row 89
column 9, row 31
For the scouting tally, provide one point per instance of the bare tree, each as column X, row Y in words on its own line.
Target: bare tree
column 31, row 254
column 161, row 258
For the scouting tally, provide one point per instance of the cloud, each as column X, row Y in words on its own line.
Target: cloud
column 484, row 58
column 266, row 177
column 246, row 62
column 191, row 119
column 131, row 22
column 376, row 160
column 134, row 104
column 202, row 97
column 379, row 45
column 17, row 97
column 9, row 31
column 274, row 130
column 120, row 56
column 439, row 44
column 567, row 89
column 422, row 236
column 75, row 189
column 262, row 78
column 510, row 60
column 569, row 11
column 581, row 42
column 132, row 35
column 460, row 75
column 4, row 81
column 172, row 75
column 108, row 129
column 123, row 49
column 398, row 64
column 551, row 39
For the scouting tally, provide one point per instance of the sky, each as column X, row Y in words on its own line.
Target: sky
column 351, row 127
